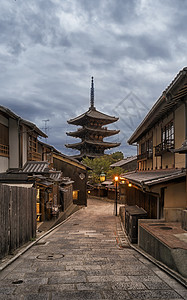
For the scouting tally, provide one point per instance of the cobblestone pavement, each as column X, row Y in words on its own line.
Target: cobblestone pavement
column 87, row 257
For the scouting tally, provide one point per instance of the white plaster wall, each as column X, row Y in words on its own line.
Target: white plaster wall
column 3, row 164
column 175, row 196
column 3, row 160
column 3, row 120
column 13, row 144
column 24, row 145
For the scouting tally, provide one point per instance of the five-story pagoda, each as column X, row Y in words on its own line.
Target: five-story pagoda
column 92, row 131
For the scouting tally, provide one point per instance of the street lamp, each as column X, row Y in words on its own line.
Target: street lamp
column 116, row 178
column 102, row 177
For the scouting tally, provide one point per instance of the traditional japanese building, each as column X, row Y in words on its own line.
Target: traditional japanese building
column 92, row 131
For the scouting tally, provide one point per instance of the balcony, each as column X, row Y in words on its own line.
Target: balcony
column 34, row 156
column 4, row 150
column 145, row 155
column 164, row 147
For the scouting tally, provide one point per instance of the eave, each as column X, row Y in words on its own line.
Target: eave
column 94, row 114
column 147, row 179
column 12, row 115
column 88, row 142
column 104, row 132
column 166, row 103
column 81, row 156
column 182, row 150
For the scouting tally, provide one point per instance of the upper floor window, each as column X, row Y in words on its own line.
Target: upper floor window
column 149, row 146
column 143, row 148
column 4, row 140
column 168, row 134
column 168, row 140
column 33, row 149
column 146, row 149
column 32, row 143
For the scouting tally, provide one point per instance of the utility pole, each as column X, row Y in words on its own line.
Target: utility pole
column 46, row 128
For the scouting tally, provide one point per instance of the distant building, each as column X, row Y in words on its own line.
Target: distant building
column 92, row 132
column 159, row 184
column 70, row 167
column 128, row 163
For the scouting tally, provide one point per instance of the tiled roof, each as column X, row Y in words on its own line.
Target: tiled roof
column 183, row 149
column 149, row 178
column 107, row 182
column 103, row 131
column 36, row 167
column 90, row 142
column 123, row 161
column 55, row 175
column 95, row 114
column 66, row 157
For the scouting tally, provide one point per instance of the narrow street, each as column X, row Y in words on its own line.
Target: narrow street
column 87, row 257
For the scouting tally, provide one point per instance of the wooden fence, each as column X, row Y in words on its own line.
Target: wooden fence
column 17, row 217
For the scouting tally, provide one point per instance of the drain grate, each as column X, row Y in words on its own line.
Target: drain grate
column 50, row 256
column 166, row 228
column 40, row 244
column 17, row 281
column 157, row 224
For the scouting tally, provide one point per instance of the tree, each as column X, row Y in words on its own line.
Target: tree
column 116, row 156
column 102, row 164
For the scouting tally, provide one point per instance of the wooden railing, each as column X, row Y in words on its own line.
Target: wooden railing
column 4, row 150
column 145, row 155
column 164, row 147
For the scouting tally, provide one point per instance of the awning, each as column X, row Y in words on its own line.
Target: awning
column 181, row 150
column 150, row 178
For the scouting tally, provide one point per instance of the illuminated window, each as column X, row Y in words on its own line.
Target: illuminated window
column 75, row 195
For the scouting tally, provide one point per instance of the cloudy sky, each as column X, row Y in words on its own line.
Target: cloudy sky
column 49, row 49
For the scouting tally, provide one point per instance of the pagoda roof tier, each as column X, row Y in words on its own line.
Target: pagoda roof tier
column 94, row 114
column 103, row 145
column 101, row 131
column 89, row 155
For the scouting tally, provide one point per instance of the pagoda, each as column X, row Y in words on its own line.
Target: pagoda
column 92, row 131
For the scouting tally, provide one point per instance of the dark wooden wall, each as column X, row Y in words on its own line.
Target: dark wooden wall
column 68, row 196
column 17, row 217
column 141, row 199
column 74, row 173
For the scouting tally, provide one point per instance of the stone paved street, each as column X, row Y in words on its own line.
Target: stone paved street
column 87, row 257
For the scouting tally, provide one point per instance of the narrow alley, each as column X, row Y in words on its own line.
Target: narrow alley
column 87, row 257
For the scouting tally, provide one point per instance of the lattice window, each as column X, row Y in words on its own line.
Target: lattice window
column 168, row 134
column 33, row 143
column 33, row 149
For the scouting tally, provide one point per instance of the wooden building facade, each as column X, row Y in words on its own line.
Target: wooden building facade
column 161, row 174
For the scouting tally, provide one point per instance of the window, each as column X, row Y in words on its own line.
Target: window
column 149, row 147
column 32, row 143
column 168, row 135
column 75, row 194
column 33, row 149
column 142, row 148
column 4, row 141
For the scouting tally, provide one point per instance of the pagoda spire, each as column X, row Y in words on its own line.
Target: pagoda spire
column 92, row 94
